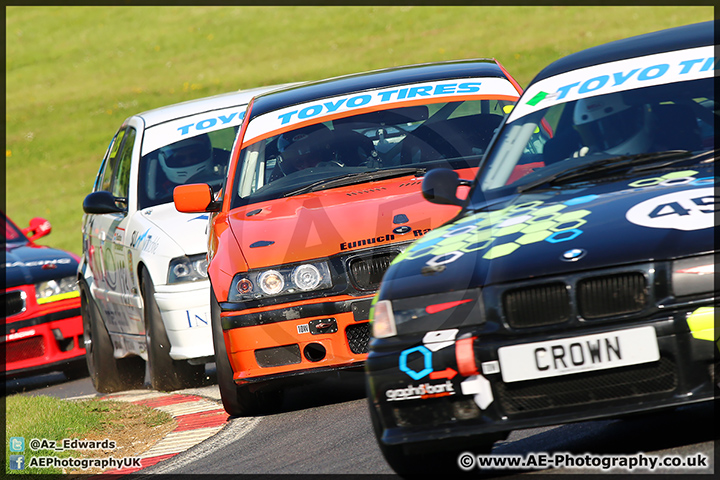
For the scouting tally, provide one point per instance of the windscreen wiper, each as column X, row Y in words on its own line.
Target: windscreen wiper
column 357, row 178
column 658, row 160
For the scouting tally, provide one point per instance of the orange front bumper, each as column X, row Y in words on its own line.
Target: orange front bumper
column 288, row 347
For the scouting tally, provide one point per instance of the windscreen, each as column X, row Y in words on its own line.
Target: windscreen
column 634, row 109
column 344, row 148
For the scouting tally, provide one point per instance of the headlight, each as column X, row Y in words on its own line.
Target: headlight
column 280, row 281
column 58, row 289
column 383, row 320
column 271, row 282
column 694, row 275
column 188, row 269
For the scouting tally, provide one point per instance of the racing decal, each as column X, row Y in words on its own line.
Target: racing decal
column 422, row 391
column 119, row 235
column 187, row 127
column 195, row 320
column 38, row 263
column 650, row 70
column 500, row 233
column 432, row 342
column 686, row 210
column 702, row 324
column 479, row 387
column 673, row 179
column 319, row 109
column 18, row 335
column 144, row 242
column 367, row 241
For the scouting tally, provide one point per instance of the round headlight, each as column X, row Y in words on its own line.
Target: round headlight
column 244, row 286
column 271, row 282
column 306, row 277
column 181, row 270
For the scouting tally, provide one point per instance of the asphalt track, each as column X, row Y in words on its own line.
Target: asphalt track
column 324, row 428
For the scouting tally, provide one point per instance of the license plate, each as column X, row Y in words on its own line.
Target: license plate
column 585, row 353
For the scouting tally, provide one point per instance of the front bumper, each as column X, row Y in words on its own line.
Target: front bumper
column 43, row 338
column 185, row 310
column 492, row 408
column 296, row 338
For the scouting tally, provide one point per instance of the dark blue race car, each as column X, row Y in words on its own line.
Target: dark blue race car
column 577, row 282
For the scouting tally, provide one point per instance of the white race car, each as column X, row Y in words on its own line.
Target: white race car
column 143, row 282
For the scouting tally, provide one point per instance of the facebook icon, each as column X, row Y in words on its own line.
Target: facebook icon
column 17, row 462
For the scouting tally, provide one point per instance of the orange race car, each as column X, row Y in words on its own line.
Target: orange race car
column 323, row 192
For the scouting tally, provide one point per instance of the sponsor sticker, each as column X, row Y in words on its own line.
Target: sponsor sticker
column 647, row 71
column 326, row 108
column 687, row 210
column 188, row 127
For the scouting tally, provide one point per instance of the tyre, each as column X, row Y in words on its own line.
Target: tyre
column 238, row 400
column 107, row 373
column 166, row 374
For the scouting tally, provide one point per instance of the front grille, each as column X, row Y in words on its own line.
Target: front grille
column 612, row 295
column 277, row 356
column 537, row 306
column 14, row 302
column 587, row 388
column 17, row 350
column 358, row 337
column 366, row 272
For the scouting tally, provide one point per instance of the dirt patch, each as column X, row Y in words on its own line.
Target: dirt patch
column 134, row 429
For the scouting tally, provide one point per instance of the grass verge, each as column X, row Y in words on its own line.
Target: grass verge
column 133, row 428
column 73, row 74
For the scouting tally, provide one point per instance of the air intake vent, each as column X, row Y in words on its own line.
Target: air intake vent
column 366, row 272
column 537, row 306
column 612, row 295
column 14, row 302
column 358, row 337
column 588, row 388
column 278, row 356
column 23, row 349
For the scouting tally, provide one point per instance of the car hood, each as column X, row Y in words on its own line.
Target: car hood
column 328, row 222
column 185, row 233
column 560, row 231
column 34, row 263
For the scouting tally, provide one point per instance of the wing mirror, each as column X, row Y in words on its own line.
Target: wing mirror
column 440, row 186
column 195, row 198
column 39, row 227
column 103, row 202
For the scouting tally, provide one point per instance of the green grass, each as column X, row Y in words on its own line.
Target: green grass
column 42, row 417
column 73, row 74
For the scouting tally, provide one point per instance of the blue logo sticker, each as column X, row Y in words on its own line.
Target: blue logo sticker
column 427, row 358
column 17, row 462
column 17, row 444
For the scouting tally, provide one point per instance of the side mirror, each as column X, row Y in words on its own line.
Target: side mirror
column 195, row 198
column 440, row 186
column 102, row 202
column 39, row 227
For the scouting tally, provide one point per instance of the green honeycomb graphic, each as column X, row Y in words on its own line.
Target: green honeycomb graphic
column 499, row 233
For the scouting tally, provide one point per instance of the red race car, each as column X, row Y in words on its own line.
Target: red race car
column 43, row 326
